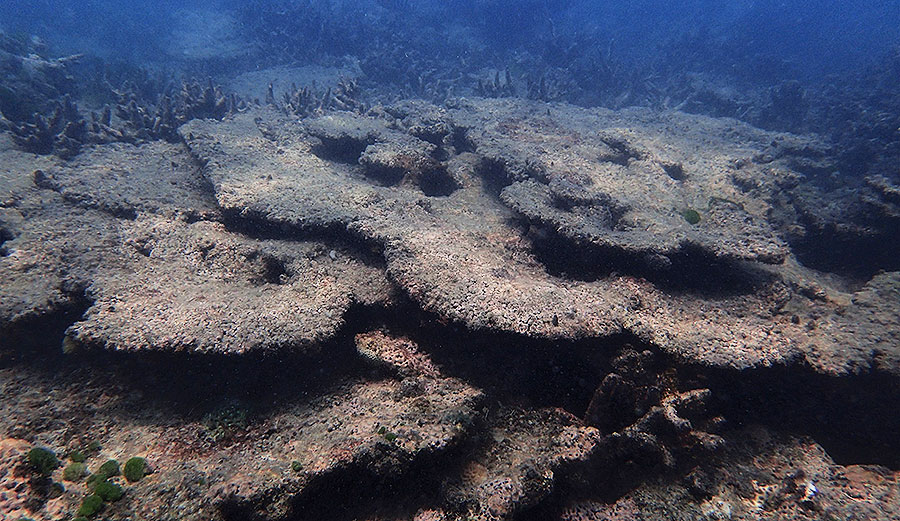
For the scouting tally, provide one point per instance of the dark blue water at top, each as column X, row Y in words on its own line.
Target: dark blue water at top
column 807, row 39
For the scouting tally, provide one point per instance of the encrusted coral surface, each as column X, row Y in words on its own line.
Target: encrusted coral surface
column 761, row 478
column 464, row 256
column 13, row 481
column 320, row 286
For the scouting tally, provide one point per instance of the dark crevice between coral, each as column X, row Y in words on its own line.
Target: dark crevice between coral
column 5, row 235
column 853, row 417
column 494, row 175
column 385, row 176
column 460, row 141
column 437, row 183
column 687, row 270
column 675, row 171
column 845, row 228
column 621, row 151
column 847, row 254
column 185, row 386
column 180, row 386
column 261, row 227
column 38, row 340
column 271, row 270
column 342, row 150
column 433, row 180
column 382, row 485
column 537, row 372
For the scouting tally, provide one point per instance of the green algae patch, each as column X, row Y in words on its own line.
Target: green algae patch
column 74, row 472
column 388, row 436
column 77, row 456
column 109, row 469
column 135, row 469
column 90, row 505
column 226, row 422
column 691, row 216
column 43, row 461
column 108, row 491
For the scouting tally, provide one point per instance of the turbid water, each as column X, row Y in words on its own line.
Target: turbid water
column 449, row 261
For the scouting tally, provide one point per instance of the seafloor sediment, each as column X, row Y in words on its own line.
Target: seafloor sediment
column 493, row 309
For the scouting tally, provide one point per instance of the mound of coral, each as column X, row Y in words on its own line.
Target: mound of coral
column 492, row 309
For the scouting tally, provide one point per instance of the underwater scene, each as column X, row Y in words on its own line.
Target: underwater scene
column 449, row 260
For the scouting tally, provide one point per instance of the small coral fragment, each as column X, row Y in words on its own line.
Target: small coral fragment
column 396, row 353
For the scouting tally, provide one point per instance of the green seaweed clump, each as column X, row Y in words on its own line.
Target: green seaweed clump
column 388, row 436
column 691, row 216
column 109, row 469
column 77, row 456
column 108, row 491
column 42, row 460
column 225, row 423
column 135, row 469
column 74, row 471
column 296, row 466
column 90, row 505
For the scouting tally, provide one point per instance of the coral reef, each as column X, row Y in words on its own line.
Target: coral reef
column 38, row 109
column 399, row 354
column 305, row 102
column 144, row 119
column 63, row 132
column 642, row 412
column 31, row 82
column 398, row 268
column 758, row 476
column 496, row 88
column 520, row 463
column 284, row 304
column 442, row 274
